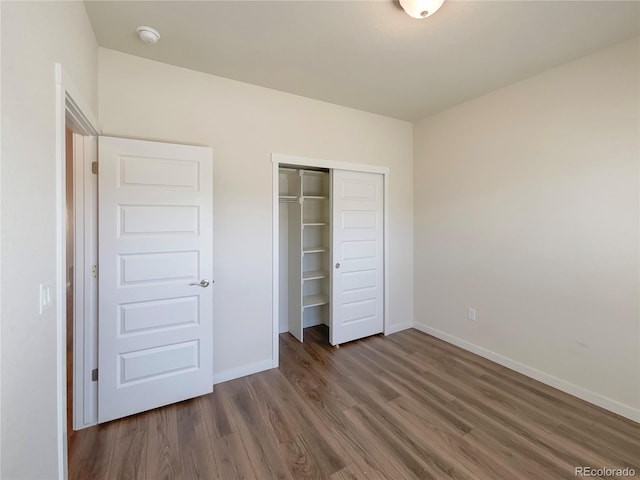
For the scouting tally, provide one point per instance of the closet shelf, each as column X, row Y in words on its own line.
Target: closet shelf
column 288, row 198
column 314, row 197
column 314, row 224
column 314, row 300
column 314, row 250
column 314, row 275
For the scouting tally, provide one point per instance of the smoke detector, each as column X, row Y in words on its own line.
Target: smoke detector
column 148, row 35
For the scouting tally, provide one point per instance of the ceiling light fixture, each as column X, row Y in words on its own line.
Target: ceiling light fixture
column 421, row 8
column 148, row 35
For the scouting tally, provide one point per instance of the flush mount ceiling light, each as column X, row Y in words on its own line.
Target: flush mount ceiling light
column 148, row 35
column 421, row 8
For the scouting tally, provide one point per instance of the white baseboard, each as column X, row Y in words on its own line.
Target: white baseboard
column 243, row 371
column 398, row 328
column 567, row 387
column 311, row 323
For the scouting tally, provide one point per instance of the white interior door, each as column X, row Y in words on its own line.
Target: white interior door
column 155, row 240
column 357, row 302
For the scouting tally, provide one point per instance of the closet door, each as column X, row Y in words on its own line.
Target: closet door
column 357, row 302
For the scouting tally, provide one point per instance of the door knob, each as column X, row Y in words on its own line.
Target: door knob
column 337, row 265
column 203, row 283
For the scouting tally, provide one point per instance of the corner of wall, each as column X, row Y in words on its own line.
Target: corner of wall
column 567, row 387
column 504, row 221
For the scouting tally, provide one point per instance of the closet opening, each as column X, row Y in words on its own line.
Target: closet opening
column 305, row 258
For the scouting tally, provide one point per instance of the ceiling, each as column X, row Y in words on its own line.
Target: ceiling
column 368, row 55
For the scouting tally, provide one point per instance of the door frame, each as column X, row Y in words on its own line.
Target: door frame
column 85, row 285
column 277, row 159
column 72, row 110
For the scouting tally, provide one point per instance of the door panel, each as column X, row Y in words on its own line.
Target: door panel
column 155, row 240
column 358, row 256
column 158, row 219
column 151, row 315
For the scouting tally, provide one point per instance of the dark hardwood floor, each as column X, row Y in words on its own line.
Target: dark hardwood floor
column 403, row 406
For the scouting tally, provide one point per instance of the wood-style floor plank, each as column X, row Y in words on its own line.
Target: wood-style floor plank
column 163, row 452
column 403, row 406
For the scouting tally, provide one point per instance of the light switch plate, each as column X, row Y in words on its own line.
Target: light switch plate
column 46, row 295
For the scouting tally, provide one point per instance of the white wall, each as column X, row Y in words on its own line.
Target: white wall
column 244, row 124
column 34, row 36
column 526, row 208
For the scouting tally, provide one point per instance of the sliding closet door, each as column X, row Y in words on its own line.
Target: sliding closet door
column 357, row 302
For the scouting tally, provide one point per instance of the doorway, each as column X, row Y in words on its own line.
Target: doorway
column 76, row 147
column 165, row 204
column 81, row 282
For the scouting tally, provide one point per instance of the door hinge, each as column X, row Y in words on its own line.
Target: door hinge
column 94, row 271
column 94, row 375
column 94, row 168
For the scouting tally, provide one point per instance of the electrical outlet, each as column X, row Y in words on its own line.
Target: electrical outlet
column 46, row 295
column 471, row 314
